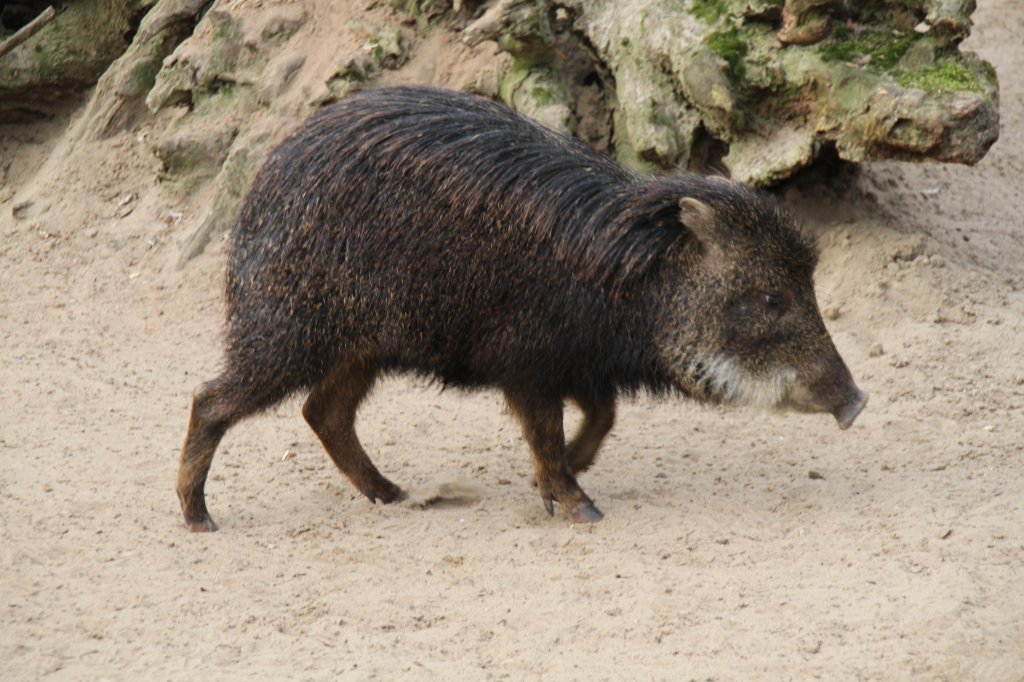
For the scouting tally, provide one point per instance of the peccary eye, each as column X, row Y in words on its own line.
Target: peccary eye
column 775, row 302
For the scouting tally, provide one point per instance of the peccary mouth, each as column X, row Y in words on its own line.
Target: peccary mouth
column 846, row 413
column 845, row 409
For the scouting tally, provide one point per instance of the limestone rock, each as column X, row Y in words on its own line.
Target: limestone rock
column 772, row 87
column 68, row 55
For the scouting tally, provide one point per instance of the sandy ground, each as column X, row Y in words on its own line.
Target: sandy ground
column 722, row 556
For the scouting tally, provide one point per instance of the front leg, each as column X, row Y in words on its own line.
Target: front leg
column 541, row 419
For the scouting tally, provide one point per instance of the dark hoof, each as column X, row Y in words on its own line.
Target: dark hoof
column 201, row 526
column 549, row 505
column 586, row 513
column 193, row 508
column 386, row 492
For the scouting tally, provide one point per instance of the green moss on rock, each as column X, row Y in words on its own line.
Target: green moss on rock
column 71, row 52
column 944, row 76
column 731, row 46
column 539, row 92
column 878, row 50
column 709, row 11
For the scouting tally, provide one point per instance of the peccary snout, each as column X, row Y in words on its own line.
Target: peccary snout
column 848, row 411
column 839, row 395
column 832, row 390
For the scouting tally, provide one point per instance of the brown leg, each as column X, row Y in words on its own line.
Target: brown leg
column 541, row 420
column 598, row 418
column 212, row 414
column 331, row 412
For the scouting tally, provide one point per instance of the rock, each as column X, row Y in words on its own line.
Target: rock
column 383, row 48
column 804, row 21
column 120, row 96
column 66, row 56
column 195, row 149
column 230, row 185
column 874, row 91
column 540, row 93
column 753, row 89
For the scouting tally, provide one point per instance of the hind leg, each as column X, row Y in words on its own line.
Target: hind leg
column 215, row 408
column 598, row 419
column 541, row 420
column 330, row 411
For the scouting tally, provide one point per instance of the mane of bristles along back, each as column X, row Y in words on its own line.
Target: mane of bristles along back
column 607, row 224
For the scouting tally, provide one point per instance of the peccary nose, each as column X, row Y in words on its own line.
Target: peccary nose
column 848, row 411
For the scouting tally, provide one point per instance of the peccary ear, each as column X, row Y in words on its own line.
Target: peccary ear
column 698, row 218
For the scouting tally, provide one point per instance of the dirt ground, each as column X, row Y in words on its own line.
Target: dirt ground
column 736, row 545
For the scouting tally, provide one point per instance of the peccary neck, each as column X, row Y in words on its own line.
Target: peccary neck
column 630, row 352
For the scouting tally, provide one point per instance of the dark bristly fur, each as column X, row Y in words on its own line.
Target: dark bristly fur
column 427, row 231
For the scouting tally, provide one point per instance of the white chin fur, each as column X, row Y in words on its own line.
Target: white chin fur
column 724, row 380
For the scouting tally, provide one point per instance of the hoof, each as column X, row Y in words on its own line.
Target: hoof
column 386, row 493
column 201, row 526
column 549, row 505
column 197, row 519
column 586, row 513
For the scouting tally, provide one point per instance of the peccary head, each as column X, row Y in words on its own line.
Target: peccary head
column 742, row 324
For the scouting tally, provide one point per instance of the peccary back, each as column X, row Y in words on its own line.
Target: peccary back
column 455, row 239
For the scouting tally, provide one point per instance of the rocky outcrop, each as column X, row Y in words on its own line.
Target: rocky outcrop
column 68, row 55
column 759, row 89
column 755, row 89
column 119, row 99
